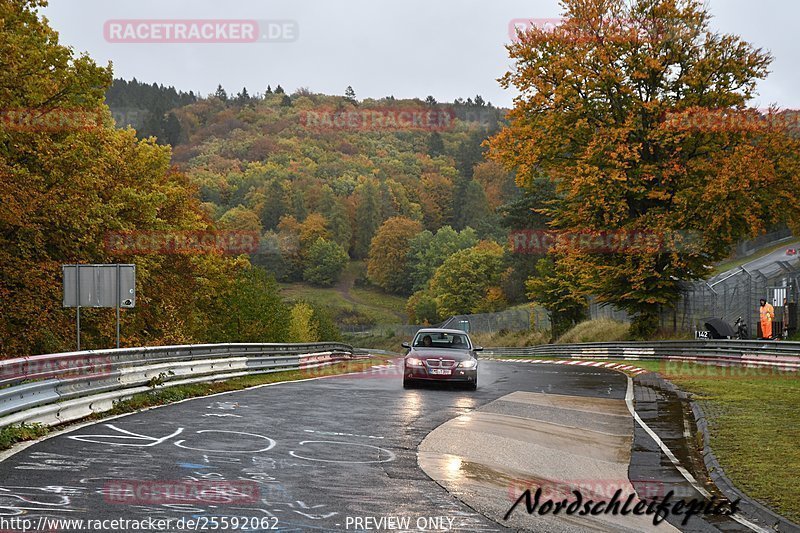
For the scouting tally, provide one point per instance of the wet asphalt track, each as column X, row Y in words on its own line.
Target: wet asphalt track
column 320, row 453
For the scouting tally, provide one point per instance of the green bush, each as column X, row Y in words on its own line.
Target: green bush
column 252, row 311
column 302, row 327
column 326, row 328
column 325, row 262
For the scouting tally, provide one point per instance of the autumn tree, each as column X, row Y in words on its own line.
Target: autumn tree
column 396, row 202
column 340, row 226
column 596, row 114
column 427, row 251
column 469, row 153
column 435, row 144
column 387, row 266
column 289, row 247
column 313, row 228
column 523, row 212
column 464, row 281
column 276, row 204
column 421, row 308
column 324, row 325
column 555, row 288
column 389, row 207
column 64, row 189
column 240, row 219
column 436, row 199
column 221, row 94
column 498, row 185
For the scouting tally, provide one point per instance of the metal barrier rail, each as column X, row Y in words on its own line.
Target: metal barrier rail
column 57, row 388
column 783, row 355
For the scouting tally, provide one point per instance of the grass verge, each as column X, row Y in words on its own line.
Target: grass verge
column 11, row 435
column 511, row 339
column 754, row 423
column 367, row 306
column 389, row 341
column 599, row 330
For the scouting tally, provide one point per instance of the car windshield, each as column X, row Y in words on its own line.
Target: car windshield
column 455, row 341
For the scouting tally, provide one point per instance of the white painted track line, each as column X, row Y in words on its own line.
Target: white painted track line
column 685, row 473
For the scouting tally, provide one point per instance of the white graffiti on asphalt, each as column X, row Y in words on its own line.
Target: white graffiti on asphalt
column 271, row 443
column 390, row 455
column 126, row 435
column 131, row 439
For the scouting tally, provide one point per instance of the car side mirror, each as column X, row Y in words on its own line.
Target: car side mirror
column 477, row 349
column 406, row 345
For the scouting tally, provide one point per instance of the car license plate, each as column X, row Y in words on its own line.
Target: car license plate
column 440, row 371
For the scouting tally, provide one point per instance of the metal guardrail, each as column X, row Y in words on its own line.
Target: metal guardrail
column 783, row 355
column 57, row 388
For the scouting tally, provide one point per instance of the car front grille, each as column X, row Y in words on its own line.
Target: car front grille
column 440, row 363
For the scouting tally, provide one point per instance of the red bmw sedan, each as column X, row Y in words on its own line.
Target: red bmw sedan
column 441, row 355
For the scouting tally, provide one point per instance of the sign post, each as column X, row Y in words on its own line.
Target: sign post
column 118, row 292
column 99, row 286
column 77, row 306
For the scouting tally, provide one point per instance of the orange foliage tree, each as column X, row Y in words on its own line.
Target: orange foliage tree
column 595, row 114
column 387, row 265
column 66, row 183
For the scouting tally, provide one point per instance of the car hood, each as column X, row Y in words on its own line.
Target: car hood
column 436, row 353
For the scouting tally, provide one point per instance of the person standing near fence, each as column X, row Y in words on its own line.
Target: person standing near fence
column 767, row 313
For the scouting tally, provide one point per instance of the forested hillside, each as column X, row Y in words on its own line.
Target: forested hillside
column 329, row 179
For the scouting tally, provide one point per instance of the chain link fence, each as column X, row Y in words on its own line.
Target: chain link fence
column 383, row 330
column 749, row 247
column 520, row 319
column 727, row 296
column 737, row 294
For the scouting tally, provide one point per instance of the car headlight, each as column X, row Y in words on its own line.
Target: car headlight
column 413, row 361
column 472, row 363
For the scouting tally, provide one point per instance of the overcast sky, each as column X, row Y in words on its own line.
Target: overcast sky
column 406, row 48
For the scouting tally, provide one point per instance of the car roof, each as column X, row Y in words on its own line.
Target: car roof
column 441, row 330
